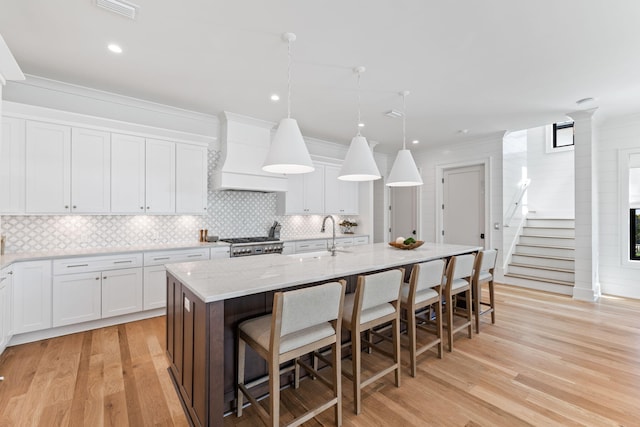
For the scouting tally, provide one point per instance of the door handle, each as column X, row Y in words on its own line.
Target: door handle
column 482, row 235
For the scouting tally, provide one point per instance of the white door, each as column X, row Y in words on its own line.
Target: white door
column 191, row 179
column 76, row 298
column 31, row 296
column 90, row 171
column 403, row 212
column 12, row 167
column 160, row 182
column 121, row 292
column 463, row 205
column 48, row 169
column 127, row 174
column 155, row 287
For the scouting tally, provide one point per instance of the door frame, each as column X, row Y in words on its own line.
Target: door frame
column 439, row 214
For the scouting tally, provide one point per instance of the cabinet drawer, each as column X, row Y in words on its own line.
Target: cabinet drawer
column 344, row 241
column 311, row 245
column 101, row 263
column 182, row 255
column 362, row 240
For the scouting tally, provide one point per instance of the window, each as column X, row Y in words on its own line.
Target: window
column 563, row 134
column 634, row 236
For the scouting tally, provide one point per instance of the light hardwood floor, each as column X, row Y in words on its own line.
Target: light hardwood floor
column 549, row 360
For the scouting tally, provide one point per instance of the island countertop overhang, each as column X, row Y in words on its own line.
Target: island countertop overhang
column 223, row 279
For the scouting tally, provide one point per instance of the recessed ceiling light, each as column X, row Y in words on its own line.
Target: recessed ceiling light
column 463, row 131
column 360, row 125
column 415, row 141
column 114, row 48
column 585, row 100
column 275, row 97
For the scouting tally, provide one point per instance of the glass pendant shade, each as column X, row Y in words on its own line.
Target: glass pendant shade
column 359, row 165
column 404, row 172
column 288, row 152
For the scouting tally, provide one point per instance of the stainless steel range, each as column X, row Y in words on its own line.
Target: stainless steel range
column 247, row 246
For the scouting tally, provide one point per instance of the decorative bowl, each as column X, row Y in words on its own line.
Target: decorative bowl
column 417, row 244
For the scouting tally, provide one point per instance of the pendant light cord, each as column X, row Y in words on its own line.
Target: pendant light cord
column 359, row 121
column 289, row 80
column 404, row 122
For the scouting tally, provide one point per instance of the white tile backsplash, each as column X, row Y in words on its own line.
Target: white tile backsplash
column 229, row 214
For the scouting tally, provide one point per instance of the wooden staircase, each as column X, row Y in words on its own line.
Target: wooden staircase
column 544, row 256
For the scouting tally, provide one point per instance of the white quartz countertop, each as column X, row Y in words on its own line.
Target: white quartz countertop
column 222, row 279
column 8, row 259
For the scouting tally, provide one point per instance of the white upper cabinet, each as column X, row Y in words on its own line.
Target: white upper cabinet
column 12, row 157
column 90, row 171
column 191, row 179
column 305, row 194
column 127, row 174
column 160, row 183
column 340, row 197
column 48, row 169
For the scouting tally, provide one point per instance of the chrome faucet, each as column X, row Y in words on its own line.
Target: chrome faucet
column 333, row 246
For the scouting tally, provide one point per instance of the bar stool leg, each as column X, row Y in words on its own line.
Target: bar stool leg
column 242, row 346
column 337, row 379
column 411, row 331
column 469, row 312
column 356, row 362
column 274, row 391
column 492, row 301
column 476, row 303
column 396, row 347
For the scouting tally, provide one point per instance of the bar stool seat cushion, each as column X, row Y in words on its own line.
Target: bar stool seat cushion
column 260, row 330
column 459, row 283
column 485, row 276
column 366, row 315
column 423, row 295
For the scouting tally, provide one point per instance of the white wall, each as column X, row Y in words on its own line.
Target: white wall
column 618, row 276
column 450, row 155
column 514, row 172
column 551, row 193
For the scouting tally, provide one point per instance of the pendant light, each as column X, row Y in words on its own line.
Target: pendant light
column 288, row 152
column 404, row 172
column 359, row 164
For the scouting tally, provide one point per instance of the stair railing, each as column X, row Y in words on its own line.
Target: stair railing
column 513, row 207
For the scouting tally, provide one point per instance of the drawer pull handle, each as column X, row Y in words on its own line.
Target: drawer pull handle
column 161, row 258
column 123, row 262
column 97, row 278
column 2, row 279
column 194, row 255
column 77, row 265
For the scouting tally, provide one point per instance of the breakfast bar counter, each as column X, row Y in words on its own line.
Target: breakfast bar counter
column 206, row 300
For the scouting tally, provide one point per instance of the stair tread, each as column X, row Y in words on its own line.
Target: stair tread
column 547, row 236
column 560, row 258
column 540, row 279
column 542, row 267
column 544, row 246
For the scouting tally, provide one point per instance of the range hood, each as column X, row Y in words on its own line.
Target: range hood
column 244, row 143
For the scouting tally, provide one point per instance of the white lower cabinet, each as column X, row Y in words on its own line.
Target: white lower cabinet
column 121, row 292
column 31, row 296
column 76, row 298
column 220, row 252
column 155, row 276
column 310, row 245
column 6, row 311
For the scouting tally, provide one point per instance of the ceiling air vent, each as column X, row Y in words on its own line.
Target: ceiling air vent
column 394, row 114
column 120, row 7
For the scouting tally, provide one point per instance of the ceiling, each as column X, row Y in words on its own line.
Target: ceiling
column 484, row 66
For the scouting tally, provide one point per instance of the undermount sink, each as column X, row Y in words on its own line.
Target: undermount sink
column 317, row 254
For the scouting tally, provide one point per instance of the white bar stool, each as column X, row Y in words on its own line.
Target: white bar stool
column 421, row 297
column 374, row 303
column 483, row 273
column 458, row 281
column 302, row 321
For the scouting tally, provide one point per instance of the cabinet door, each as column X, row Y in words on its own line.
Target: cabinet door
column 12, row 167
column 5, row 310
column 294, row 197
column 121, row 292
column 220, row 253
column 127, row 174
column 155, row 287
column 314, row 191
column 90, row 171
column 341, row 197
column 160, row 180
column 48, row 169
column 76, row 298
column 191, row 179
column 31, row 296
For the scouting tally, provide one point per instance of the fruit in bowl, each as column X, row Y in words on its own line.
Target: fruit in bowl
column 409, row 243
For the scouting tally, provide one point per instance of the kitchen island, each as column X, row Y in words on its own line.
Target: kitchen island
column 206, row 300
